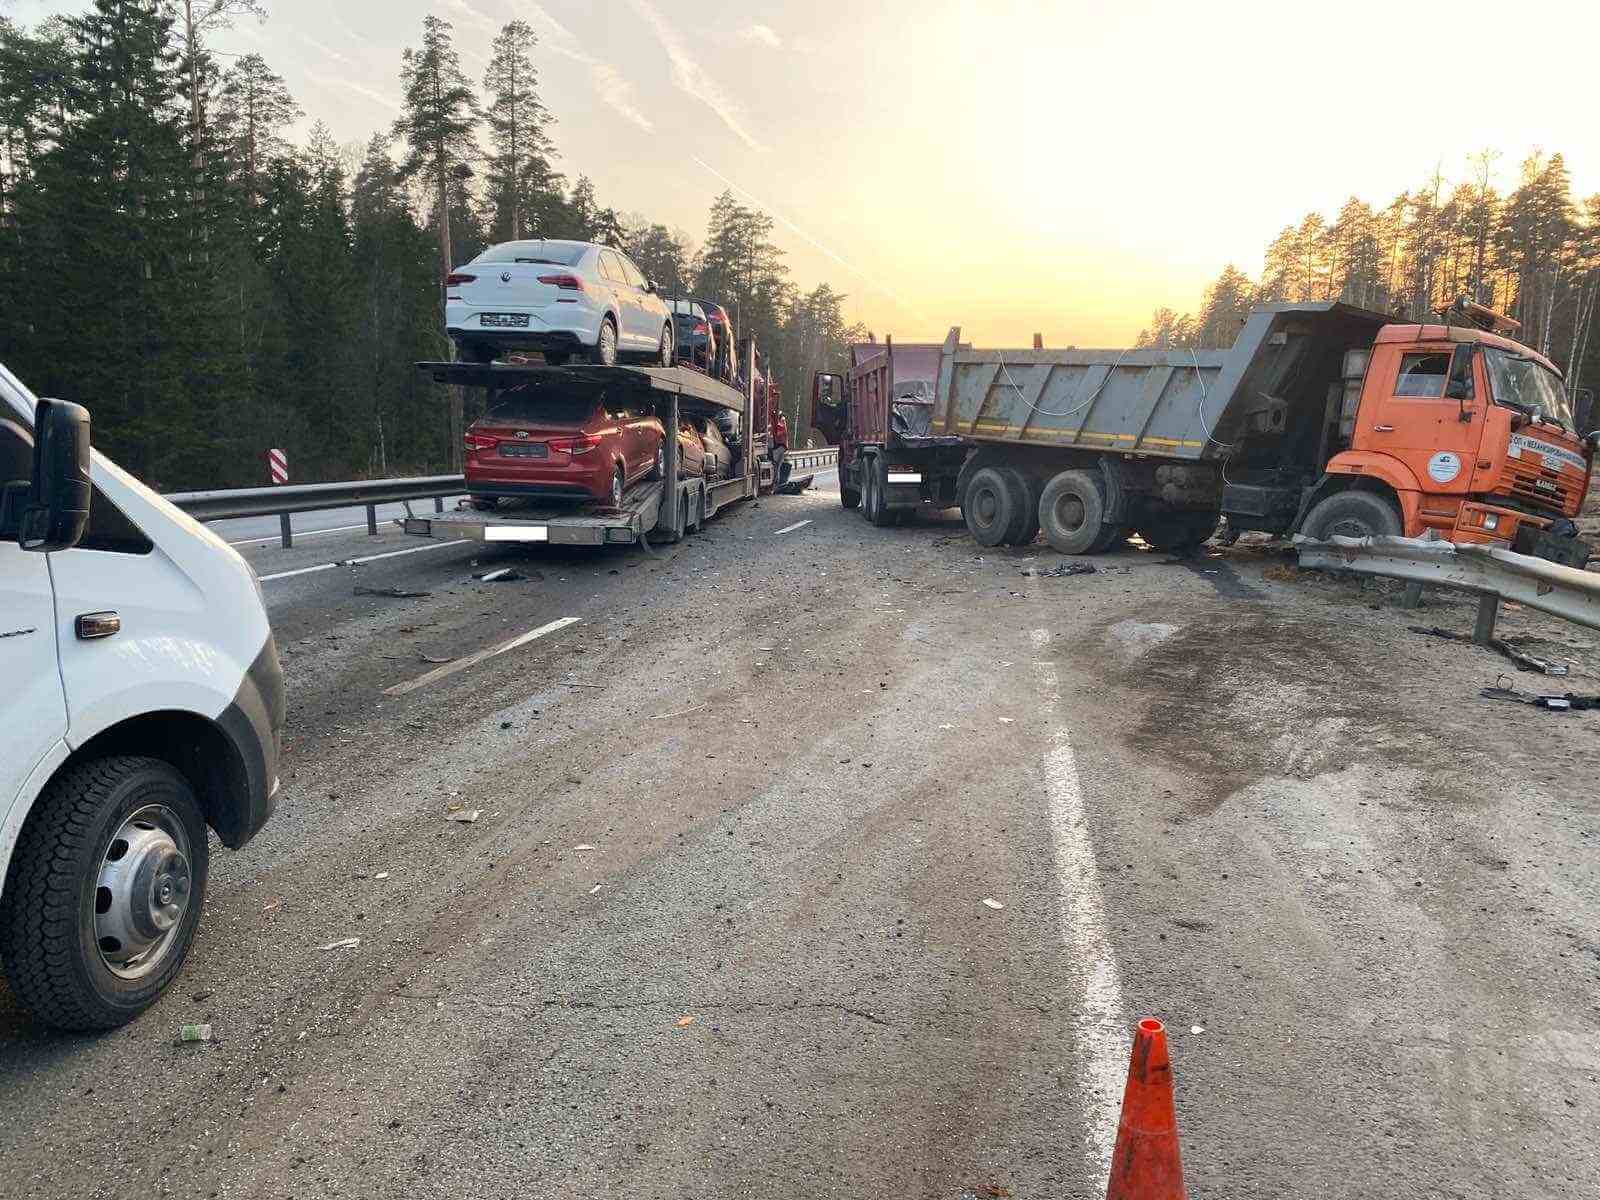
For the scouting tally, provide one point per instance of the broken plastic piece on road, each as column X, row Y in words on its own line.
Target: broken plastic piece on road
column 594, row 889
column 1060, row 572
column 391, row 593
column 194, row 1033
column 1197, row 1029
column 272, row 906
column 991, row 902
column 503, row 575
column 437, row 662
column 349, row 943
column 466, row 816
column 381, row 875
column 1007, row 721
column 583, row 846
column 682, row 1021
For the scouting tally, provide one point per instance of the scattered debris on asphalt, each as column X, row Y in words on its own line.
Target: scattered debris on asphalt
column 1074, row 567
column 991, row 902
column 1197, row 1029
column 391, row 593
column 381, row 875
column 583, row 846
column 465, row 816
column 349, row 943
column 594, row 889
column 1564, row 703
column 503, row 575
column 197, row 997
column 432, row 660
column 272, row 906
column 1007, row 721
column 194, row 1033
column 1523, row 660
column 683, row 1021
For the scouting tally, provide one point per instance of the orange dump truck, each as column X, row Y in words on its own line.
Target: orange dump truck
column 1322, row 419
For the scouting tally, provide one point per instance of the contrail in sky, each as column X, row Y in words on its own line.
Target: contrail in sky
column 809, row 239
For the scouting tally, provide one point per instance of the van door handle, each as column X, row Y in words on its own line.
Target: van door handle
column 1383, row 429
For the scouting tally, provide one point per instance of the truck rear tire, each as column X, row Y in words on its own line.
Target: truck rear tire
column 876, row 502
column 104, row 893
column 1352, row 514
column 848, row 496
column 990, row 506
column 1026, row 489
column 1180, row 533
column 1072, row 511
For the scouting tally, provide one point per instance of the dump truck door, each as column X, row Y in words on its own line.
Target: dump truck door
column 829, row 406
column 1423, row 409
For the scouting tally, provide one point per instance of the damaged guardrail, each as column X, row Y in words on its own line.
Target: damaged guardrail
column 283, row 499
column 802, row 459
column 1493, row 573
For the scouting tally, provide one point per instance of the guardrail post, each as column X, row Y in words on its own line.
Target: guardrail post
column 372, row 520
column 1488, row 614
column 438, row 504
column 286, row 530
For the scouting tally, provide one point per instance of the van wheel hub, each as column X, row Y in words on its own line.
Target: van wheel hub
column 142, row 891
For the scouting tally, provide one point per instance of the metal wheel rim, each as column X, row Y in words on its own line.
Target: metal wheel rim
column 608, row 344
column 616, row 489
column 1070, row 512
column 987, row 506
column 666, row 347
column 143, row 889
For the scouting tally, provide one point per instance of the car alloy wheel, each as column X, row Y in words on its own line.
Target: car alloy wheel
column 605, row 350
column 616, row 488
column 666, row 346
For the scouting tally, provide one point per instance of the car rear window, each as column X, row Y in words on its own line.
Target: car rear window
column 522, row 407
column 559, row 254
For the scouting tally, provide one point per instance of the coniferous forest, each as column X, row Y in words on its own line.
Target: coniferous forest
column 209, row 288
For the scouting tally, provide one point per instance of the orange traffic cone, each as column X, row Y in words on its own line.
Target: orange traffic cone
column 1145, row 1165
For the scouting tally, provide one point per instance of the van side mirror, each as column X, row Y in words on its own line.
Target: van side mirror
column 50, row 511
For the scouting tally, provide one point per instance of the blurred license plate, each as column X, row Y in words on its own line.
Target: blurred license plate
column 524, row 450
column 503, row 320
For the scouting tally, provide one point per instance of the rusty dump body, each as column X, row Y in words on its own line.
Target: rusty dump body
column 1187, row 405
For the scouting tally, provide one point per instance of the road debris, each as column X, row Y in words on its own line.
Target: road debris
column 349, row 943
column 685, row 1021
column 272, row 906
column 466, row 816
column 1007, row 721
column 391, row 593
column 437, row 662
column 503, row 575
column 381, row 875
column 991, row 902
column 583, row 846
column 1197, row 1029
column 197, row 997
column 1563, row 703
column 594, row 889
column 1523, row 660
column 194, row 1033
column 1075, row 567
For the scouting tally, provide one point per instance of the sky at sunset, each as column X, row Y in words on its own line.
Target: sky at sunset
column 1011, row 167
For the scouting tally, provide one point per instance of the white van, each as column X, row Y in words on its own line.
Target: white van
column 140, row 703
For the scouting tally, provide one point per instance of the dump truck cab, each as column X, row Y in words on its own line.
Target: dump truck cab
column 1466, row 432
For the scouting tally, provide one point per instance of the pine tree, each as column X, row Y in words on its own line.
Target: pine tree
column 254, row 107
column 441, row 114
column 523, row 189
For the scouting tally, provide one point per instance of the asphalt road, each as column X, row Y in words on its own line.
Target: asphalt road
column 719, row 928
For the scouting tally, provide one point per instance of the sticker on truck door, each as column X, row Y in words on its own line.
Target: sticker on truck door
column 1444, row 466
column 1555, row 457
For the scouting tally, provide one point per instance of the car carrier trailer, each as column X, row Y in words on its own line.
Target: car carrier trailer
column 1323, row 419
column 651, row 510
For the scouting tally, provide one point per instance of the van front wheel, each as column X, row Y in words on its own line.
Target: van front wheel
column 104, row 893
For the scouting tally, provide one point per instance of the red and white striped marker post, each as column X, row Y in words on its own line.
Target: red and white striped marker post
column 278, row 472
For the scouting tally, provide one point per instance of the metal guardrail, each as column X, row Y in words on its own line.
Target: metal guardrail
column 284, row 499
column 1493, row 573
column 803, row 459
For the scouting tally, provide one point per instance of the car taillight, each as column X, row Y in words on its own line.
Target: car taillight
column 454, row 280
column 700, row 328
column 479, row 441
column 576, row 445
column 567, row 283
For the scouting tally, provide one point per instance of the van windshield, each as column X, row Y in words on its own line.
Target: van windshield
column 1528, row 386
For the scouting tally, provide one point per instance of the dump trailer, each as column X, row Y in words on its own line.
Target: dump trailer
column 654, row 510
column 1323, row 419
column 892, row 461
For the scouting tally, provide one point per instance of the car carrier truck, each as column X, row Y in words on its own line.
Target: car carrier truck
column 1323, row 419
column 654, row 510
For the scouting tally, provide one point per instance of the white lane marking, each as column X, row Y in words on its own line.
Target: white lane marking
column 792, row 528
column 1100, row 1042
column 472, row 660
column 299, row 533
column 356, row 562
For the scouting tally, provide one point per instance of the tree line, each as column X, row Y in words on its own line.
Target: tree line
column 211, row 289
column 1532, row 253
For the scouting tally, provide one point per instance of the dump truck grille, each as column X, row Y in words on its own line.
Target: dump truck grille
column 1547, row 489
